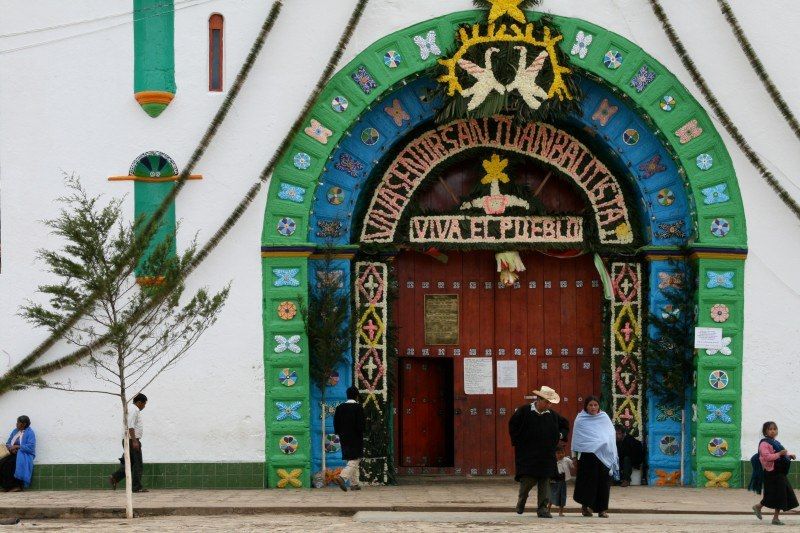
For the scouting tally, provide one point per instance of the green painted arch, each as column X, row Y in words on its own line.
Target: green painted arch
column 719, row 260
column 646, row 102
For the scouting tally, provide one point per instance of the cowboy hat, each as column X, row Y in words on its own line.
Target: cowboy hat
column 548, row 394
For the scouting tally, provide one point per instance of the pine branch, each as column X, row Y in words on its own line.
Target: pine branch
column 169, row 286
column 723, row 116
column 758, row 66
column 155, row 219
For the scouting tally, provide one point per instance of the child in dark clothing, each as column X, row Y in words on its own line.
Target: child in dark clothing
column 558, row 484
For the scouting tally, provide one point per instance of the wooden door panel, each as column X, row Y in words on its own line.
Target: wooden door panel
column 486, row 348
column 550, row 324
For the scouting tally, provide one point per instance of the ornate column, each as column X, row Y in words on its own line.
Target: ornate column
column 286, row 378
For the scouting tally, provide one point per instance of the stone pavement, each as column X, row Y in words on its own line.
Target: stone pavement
column 422, row 522
column 487, row 496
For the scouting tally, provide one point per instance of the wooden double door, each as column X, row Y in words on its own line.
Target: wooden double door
column 549, row 324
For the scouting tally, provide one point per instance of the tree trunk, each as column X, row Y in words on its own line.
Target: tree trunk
column 127, row 457
column 323, row 439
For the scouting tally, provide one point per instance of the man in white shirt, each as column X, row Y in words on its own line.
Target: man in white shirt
column 135, row 430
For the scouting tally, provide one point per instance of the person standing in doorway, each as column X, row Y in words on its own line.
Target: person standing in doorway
column 535, row 431
column 348, row 423
column 595, row 441
column 135, row 430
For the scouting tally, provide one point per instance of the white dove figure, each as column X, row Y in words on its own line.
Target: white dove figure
column 486, row 82
column 525, row 80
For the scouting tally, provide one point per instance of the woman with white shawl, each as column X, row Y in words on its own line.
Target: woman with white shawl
column 595, row 443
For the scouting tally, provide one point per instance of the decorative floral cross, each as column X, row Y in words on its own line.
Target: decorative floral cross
column 717, row 480
column 720, row 279
column 724, row 349
column 292, row 193
column 318, row 132
column 427, row 45
column 289, row 478
column 688, row 131
column 651, row 166
column 286, row 277
column 283, row 344
column 719, row 412
column 715, row 195
column 397, row 112
column 667, row 478
column 288, row 410
column 604, row 112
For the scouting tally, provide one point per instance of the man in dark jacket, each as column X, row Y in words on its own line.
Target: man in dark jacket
column 630, row 453
column 348, row 423
column 535, row 432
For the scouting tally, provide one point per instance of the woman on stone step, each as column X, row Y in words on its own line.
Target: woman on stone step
column 595, row 443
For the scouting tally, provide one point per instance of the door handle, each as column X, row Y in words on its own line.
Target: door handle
column 456, row 411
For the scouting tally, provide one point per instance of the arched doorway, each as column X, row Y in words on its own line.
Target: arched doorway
column 667, row 156
column 453, row 315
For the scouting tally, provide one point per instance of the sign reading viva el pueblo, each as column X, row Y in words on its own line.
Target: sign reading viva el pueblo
column 460, row 228
column 539, row 141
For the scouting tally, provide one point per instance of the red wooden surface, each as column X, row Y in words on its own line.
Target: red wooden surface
column 518, row 323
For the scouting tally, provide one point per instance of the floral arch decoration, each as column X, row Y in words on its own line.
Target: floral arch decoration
column 675, row 160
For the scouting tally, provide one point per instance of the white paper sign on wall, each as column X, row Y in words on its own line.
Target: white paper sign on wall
column 708, row 338
column 507, row 374
column 478, row 372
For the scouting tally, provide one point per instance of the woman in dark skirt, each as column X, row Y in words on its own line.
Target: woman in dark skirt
column 775, row 461
column 595, row 441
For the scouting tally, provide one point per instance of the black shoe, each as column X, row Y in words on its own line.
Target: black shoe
column 521, row 505
column 544, row 514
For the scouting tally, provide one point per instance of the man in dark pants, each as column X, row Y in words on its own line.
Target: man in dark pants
column 630, row 453
column 535, row 431
column 135, row 430
column 348, row 423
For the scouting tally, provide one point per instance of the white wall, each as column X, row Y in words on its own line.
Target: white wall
column 67, row 104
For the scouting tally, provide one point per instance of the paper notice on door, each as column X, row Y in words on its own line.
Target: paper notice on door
column 507, row 374
column 478, row 375
column 708, row 338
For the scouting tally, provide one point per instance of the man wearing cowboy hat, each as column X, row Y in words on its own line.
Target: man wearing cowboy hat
column 535, row 431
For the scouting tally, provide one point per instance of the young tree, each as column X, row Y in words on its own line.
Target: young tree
column 328, row 335
column 147, row 328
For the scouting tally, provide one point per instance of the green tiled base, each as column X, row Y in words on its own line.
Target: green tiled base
column 155, row 476
column 794, row 474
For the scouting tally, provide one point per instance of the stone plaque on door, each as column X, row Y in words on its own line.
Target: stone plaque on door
column 441, row 319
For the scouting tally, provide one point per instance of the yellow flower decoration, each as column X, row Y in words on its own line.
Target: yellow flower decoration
column 494, row 170
column 289, row 478
column 623, row 231
column 718, row 480
column 506, row 7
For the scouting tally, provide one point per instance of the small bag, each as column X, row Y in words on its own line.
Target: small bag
column 4, row 451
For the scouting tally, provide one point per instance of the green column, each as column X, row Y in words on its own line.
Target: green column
column 154, row 54
column 717, row 409
column 286, row 376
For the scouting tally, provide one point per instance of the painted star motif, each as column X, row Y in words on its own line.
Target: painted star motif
column 506, row 7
